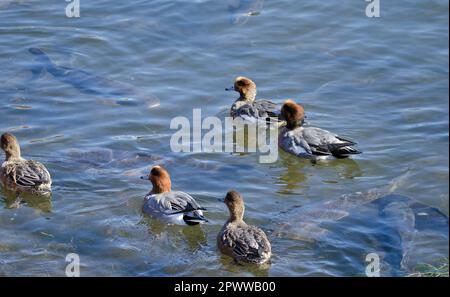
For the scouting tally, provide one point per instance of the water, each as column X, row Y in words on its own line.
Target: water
column 382, row 82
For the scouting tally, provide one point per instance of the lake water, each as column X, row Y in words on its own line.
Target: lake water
column 381, row 81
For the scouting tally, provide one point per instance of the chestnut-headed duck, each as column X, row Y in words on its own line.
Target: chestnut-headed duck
column 20, row 175
column 310, row 142
column 172, row 207
column 242, row 242
column 248, row 108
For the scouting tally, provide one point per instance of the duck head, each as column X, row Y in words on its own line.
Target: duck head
column 10, row 146
column 160, row 179
column 293, row 113
column 245, row 87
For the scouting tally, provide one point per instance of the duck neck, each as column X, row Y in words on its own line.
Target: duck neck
column 294, row 125
column 161, row 183
column 159, row 190
column 236, row 216
column 248, row 96
column 12, row 155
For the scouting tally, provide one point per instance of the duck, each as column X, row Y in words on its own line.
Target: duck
column 242, row 242
column 20, row 175
column 172, row 207
column 247, row 108
column 310, row 142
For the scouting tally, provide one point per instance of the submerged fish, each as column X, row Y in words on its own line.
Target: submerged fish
column 304, row 223
column 88, row 83
column 417, row 226
column 241, row 10
column 397, row 227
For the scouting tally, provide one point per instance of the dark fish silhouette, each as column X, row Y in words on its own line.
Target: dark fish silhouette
column 89, row 83
column 395, row 225
column 241, row 10
column 416, row 225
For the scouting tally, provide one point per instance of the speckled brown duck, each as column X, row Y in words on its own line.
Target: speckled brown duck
column 245, row 243
column 20, row 175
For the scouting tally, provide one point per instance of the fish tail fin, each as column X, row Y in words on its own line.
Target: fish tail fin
column 41, row 57
column 393, row 186
column 399, row 181
column 37, row 71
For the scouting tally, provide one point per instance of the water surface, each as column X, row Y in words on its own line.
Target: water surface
column 381, row 81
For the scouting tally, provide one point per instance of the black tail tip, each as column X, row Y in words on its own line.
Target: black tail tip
column 195, row 222
column 191, row 221
column 343, row 155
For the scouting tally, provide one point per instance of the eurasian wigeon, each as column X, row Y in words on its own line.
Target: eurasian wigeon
column 172, row 207
column 250, row 109
column 20, row 175
column 242, row 242
column 310, row 142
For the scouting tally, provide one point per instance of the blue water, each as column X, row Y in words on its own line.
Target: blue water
column 381, row 81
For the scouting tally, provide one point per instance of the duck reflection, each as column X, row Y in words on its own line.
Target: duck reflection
column 13, row 200
column 295, row 177
column 346, row 168
column 240, row 269
column 193, row 236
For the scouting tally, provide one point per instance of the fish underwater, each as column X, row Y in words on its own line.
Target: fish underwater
column 396, row 227
column 415, row 225
column 88, row 83
column 241, row 10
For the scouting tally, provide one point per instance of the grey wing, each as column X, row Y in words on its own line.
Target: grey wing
column 302, row 143
column 293, row 142
column 266, row 108
column 323, row 142
column 247, row 111
column 259, row 109
column 249, row 243
column 31, row 174
column 179, row 202
column 316, row 136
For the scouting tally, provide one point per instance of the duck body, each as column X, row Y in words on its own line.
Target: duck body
column 244, row 243
column 174, row 208
column 247, row 108
column 171, row 207
column 310, row 142
column 315, row 143
column 255, row 111
column 20, row 175
column 26, row 176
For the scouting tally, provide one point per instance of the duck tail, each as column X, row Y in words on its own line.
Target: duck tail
column 350, row 142
column 344, row 152
column 194, row 218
